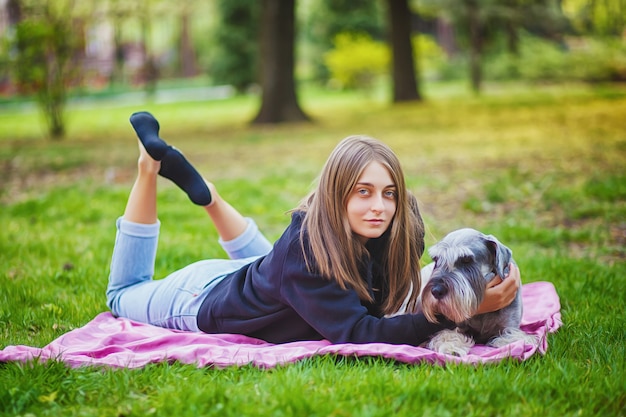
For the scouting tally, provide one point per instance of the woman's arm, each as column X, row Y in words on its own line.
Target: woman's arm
column 500, row 293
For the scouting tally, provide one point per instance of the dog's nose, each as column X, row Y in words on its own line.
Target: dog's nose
column 439, row 291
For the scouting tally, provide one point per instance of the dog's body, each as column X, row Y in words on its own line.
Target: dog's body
column 464, row 262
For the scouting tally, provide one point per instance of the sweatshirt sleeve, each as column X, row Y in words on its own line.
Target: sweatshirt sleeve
column 338, row 314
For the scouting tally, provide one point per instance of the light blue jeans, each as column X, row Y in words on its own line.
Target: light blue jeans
column 172, row 302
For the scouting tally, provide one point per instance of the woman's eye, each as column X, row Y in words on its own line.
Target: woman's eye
column 362, row 191
column 390, row 194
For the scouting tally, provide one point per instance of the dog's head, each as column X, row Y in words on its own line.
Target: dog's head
column 465, row 261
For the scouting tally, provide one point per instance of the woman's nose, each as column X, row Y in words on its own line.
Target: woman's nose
column 378, row 204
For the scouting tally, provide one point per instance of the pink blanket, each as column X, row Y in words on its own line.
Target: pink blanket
column 120, row 342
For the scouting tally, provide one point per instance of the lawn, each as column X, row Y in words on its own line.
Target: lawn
column 542, row 168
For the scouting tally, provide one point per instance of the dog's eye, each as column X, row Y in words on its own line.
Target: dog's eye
column 466, row 259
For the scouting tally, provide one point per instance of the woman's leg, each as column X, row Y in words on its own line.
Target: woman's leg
column 230, row 224
column 173, row 301
column 136, row 242
column 239, row 236
column 227, row 220
column 142, row 204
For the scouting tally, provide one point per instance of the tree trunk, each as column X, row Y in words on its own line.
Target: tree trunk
column 14, row 12
column 512, row 37
column 405, row 82
column 117, row 75
column 473, row 19
column 279, row 102
column 446, row 37
column 188, row 66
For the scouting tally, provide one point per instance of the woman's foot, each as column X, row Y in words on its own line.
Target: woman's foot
column 146, row 163
column 147, row 129
column 173, row 165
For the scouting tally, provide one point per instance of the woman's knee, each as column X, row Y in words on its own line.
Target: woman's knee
column 113, row 301
column 250, row 243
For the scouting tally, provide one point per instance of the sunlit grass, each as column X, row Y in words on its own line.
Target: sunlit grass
column 543, row 169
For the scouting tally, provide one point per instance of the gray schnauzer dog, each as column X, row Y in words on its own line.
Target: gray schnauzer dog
column 454, row 285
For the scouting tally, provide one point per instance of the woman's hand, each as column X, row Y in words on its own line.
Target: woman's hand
column 500, row 293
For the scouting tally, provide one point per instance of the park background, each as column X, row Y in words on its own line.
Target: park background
column 509, row 116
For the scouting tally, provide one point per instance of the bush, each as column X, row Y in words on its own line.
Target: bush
column 233, row 57
column 429, row 57
column 44, row 63
column 598, row 60
column 357, row 60
column 580, row 59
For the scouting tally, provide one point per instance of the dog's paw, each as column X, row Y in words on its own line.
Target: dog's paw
column 451, row 342
column 512, row 335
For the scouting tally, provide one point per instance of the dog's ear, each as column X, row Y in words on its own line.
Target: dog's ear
column 501, row 255
column 434, row 251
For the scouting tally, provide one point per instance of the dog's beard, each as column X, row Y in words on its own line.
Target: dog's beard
column 458, row 304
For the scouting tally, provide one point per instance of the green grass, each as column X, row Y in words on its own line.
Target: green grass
column 541, row 168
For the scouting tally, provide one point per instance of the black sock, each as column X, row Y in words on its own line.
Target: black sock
column 147, row 128
column 175, row 167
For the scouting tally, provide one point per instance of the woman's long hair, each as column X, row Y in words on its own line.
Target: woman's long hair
column 336, row 252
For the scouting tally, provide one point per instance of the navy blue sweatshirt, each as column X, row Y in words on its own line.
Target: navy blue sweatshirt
column 277, row 299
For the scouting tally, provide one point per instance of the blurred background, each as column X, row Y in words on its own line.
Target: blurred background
column 55, row 51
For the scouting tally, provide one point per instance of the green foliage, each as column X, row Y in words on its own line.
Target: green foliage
column 581, row 59
column 428, row 55
column 357, row 60
column 46, row 45
column 6, row 72
column 597, row 18
column 326, row 19
column 234, row 58
column 362, row 16
column 481, row 26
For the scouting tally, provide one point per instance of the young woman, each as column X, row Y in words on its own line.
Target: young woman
column 347, row 259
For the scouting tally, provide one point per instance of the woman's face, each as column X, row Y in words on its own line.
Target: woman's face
column 372, row 202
